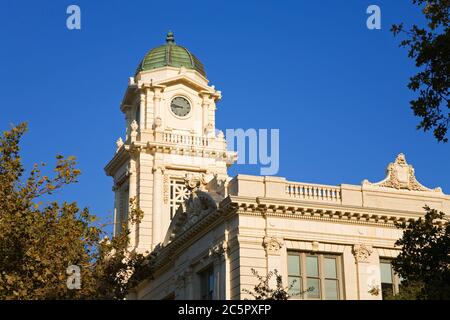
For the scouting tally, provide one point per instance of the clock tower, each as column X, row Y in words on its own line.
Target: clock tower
column 170, row 136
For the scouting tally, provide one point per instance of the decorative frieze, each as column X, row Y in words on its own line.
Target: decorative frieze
column 166, row 188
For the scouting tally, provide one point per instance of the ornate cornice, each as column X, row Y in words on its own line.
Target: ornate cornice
column 120, row 157
column 318, row 211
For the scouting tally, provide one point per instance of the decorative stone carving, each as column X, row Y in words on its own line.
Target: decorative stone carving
column 217, row 187
column 180, row 282
column 220, row 135
column 198, row 205
column 315, row 246
column 158, row 122
column 134, row 126
column 400, row 175
column 158, row 169
column 182, row 70
column 218, row 250
column 272, row 245
column 166, row 189
column 362, row 252
column 209, row 128
column 119, row 143
column 192, row 182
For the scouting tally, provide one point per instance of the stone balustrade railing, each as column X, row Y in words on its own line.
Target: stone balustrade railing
column 369, row 196
column 185, row 139
column 308, row 191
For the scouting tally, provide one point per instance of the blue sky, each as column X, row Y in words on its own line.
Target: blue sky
column 336, row 90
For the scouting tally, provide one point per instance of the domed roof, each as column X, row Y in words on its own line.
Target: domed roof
column 172, row 55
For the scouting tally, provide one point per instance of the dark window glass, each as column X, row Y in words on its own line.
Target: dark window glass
column 207, row 284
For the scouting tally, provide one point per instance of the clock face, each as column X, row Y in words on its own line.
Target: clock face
column 180, row 106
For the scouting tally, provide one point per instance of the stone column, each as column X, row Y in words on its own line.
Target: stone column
column 212, row 113
column 132, row 187
column 189, row 285
column 205, row 107
column 157, row 205
column 218, row 252
column 128, row 120
column 368, row 272
column 180, row 287
column 149, row 107
column 142, row 110
column 116, row 228
column 273, row 246
column 157, row 104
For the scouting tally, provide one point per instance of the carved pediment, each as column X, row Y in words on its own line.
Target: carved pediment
column 198, row 205
column 400, row 175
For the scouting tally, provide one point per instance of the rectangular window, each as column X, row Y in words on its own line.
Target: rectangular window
column 123, row 207
column 207, row 283
column 294, row 278
column 389, row 280
column 319, row 275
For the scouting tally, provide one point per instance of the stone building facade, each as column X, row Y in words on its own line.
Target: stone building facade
column 210, row 230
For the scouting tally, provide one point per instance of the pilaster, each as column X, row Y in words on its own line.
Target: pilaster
column 368, row 271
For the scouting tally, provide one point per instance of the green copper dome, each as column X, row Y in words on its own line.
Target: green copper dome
column 172, row 55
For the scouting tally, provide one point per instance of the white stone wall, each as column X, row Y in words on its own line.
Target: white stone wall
column 266, row 223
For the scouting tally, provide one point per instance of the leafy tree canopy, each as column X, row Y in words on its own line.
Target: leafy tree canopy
column 39, row 240
column 424, row 260
column 429, row 46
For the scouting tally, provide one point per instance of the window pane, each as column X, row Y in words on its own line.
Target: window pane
column 330, row 268
column 211, row 281
column 312, row 266
column 294, row 265
column 207, row 282
column 296, row 288
column 386, row 272
column 314, row 287
column 331, row 289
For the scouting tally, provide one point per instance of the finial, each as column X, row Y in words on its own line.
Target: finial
column 170, row 38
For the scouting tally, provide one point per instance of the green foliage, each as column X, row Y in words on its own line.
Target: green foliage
column 424, row 260
column 429, row 46
column 39, row 241
column 411, row 290
column 263, row 291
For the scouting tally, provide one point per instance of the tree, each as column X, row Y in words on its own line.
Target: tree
column 263, row 291
column 39, row 240
column 424, row 260
column 429, row 46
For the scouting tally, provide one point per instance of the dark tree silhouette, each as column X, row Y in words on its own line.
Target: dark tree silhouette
column 429, row 46
column 424, row 260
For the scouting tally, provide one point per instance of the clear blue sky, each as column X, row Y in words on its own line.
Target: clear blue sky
column 336, row 90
